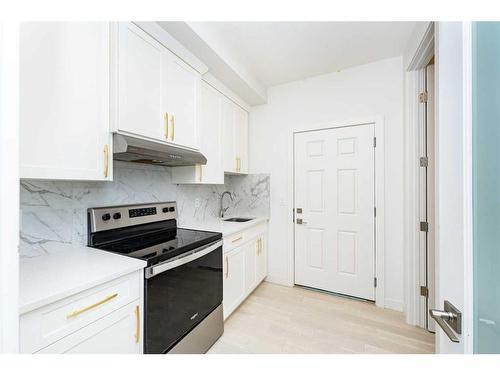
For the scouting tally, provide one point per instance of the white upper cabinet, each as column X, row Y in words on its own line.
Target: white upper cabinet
column 241, row 139
column 235, row 127
column 140, row 63
column 64, row 100
column 158, row 93
column 210, row 142
column 228, row 136
column 182, row 94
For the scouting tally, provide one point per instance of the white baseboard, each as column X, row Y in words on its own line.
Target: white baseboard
column 394, row 304
column 278, row 280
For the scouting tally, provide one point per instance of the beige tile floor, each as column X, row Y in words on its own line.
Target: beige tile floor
column 278, row 319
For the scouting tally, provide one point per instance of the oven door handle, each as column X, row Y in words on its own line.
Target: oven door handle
column 183, row 259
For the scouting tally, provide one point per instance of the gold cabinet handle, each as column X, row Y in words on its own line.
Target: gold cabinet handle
column 257, row 246
column 137, row 324
column 260, row 246
column 201, row 173
column 75, row 313
column 227, row 267
column 173, row 126
column 106, row 160
column 238, row 164
column 166, row 125
column 237, row 239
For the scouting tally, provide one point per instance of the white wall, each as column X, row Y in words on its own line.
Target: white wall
column 9, row 187
column 364, row 91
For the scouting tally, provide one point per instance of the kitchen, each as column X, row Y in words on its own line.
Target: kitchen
column 175, row 200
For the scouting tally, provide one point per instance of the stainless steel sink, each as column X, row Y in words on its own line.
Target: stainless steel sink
column 239, row 219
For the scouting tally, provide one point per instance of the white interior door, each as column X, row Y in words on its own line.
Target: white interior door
column 453, row 249
column 334, row 203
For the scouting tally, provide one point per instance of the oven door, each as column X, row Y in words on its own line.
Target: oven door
column 179, row 294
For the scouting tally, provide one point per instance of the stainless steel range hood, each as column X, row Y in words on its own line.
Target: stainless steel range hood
column 137, row 150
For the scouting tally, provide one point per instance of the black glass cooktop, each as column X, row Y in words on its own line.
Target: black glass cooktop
column 152, row 243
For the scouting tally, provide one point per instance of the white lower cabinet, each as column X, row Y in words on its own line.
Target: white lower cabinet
column 245, row 266
column 234, row 280
column 116, row 333
column 107, row 318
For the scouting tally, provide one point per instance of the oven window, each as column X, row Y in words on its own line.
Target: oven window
column 180, row 298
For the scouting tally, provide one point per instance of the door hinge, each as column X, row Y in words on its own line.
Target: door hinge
column 422, row 97
column 424, row 161
column 375, row 211
column 424, row 291
column 374, row 282
column 374, row 141
column 424, row 226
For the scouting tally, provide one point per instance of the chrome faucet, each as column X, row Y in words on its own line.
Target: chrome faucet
column 222, row 209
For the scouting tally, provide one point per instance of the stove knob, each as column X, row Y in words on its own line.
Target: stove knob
column 171, row 209
column 117, row 215
column 106, row 217
column 165, row 209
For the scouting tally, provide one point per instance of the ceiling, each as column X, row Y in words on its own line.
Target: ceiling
column 256, row 55
column 280, row 52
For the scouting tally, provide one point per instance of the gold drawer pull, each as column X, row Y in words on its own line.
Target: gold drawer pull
column 173, row 127
column 227, row 267
column 237, row 239
column 137, row 324
column 166, row 125
column 80, row 311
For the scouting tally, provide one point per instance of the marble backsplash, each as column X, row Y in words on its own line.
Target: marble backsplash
column 56, row 210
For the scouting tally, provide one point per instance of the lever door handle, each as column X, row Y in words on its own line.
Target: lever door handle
column 300, row 221
column 449, row 319
column 440, row 316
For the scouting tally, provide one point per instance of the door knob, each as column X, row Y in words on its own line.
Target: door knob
column 300, row 221
column 449, row 319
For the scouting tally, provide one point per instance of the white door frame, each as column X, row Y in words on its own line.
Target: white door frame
column 413, row 301
column 378, row 123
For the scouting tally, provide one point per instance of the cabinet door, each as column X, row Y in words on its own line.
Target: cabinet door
column 261, row 259
column 241, row 139
column 117, row 333
column 251, row 253
column 64, row 100
column 140, row 62
column 210, row 143
column 183, row 87
column 234, row 279
column 228, row 131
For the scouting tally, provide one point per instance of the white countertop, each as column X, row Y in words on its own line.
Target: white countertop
column 67, row 270
column 227, row 228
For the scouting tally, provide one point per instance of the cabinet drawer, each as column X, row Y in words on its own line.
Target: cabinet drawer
column 119, row 332
column 234, row 241
column 237, row 239
column 44, row 326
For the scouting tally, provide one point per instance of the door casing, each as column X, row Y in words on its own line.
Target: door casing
column 378, row 125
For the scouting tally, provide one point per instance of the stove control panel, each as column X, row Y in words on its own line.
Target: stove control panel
column 113, row 217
